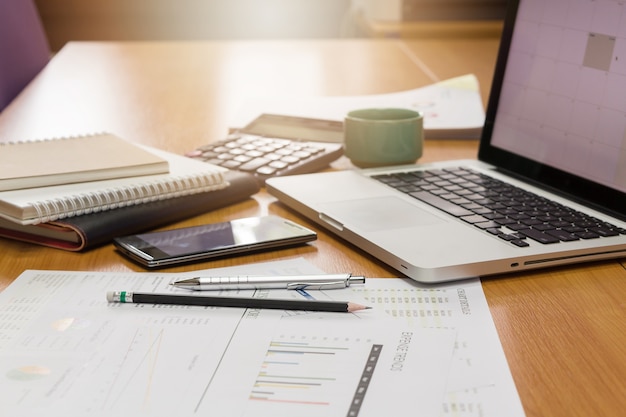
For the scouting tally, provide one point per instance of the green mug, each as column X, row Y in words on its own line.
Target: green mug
column 385, row 136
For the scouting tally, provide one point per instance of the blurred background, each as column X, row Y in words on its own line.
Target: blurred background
column 66, row 20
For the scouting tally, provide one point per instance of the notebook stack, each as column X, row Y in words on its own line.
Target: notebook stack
column 79, row 192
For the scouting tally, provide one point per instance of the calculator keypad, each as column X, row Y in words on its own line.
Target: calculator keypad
column 268, row 157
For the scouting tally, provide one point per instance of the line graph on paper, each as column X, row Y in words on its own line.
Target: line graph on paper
column 138, row 363
column 317, row 372
column 156, row 369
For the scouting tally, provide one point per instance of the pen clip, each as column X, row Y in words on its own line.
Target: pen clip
column 316, row 285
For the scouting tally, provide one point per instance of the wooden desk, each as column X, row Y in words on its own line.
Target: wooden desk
column 563, row 330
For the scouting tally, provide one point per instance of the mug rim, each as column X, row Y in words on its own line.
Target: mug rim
column 382, row 115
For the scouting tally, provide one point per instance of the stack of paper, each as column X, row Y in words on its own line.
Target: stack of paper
column 452, row 109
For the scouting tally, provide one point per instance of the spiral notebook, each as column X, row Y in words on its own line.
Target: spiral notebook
column 95, row 157
column 45, row 204
column 87, row 231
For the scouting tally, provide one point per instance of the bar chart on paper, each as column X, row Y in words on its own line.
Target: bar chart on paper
column 313, row 372
column 332, row 367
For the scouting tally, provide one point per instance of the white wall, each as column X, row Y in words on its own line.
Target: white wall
column 379, row 9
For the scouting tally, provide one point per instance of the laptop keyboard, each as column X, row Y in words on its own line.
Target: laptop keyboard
column 508, row 212
column 266, row 157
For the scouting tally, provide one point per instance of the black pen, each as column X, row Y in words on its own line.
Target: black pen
column 253, row 282
column 273, row 303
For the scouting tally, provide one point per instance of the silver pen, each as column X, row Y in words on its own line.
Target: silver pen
column 252, row 282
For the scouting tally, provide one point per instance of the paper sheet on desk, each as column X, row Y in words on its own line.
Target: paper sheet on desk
column 479, row 383
column 65, row 351
column 56, row 333
column 453, row 108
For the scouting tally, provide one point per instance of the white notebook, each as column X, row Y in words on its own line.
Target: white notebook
column 44, row 204
column 96, row 157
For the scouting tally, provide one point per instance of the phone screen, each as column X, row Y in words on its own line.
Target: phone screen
column 193, row 240
column 201, row 242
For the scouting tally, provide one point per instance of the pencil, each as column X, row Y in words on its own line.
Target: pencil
column 211, row 301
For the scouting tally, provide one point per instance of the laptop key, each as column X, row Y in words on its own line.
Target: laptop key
column 562, row 235
column 441, row 204
column 587, row 235
column 539, row 236
column 474, row 219
column 603, row 231
column 487, row 225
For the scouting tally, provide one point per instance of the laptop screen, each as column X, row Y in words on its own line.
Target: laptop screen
column 557, row 113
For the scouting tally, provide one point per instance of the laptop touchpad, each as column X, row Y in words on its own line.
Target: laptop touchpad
column 384, row 213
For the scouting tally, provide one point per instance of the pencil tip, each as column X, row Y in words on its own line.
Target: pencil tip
column 352, row 307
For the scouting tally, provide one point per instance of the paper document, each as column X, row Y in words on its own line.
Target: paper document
column 65, row 351
column 421, row 350
column 452, row 108
column 480, row 382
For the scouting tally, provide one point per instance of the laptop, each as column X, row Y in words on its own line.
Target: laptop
column 549, row 185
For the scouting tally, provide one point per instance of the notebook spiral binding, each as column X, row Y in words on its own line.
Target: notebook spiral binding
column 53, row 138
column 109, row 199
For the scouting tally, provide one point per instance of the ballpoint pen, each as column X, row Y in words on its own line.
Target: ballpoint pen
column 252, row 282
column 248, row 302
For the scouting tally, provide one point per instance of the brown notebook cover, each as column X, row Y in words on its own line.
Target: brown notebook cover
column 90, row 230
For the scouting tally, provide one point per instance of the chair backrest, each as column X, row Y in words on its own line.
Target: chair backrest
column 24, row 48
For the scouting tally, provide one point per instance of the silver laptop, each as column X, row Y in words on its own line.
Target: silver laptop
column 549, row 185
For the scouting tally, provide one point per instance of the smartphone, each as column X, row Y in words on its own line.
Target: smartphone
column 178, row 246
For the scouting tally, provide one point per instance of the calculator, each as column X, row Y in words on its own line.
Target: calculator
column 276, row 145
